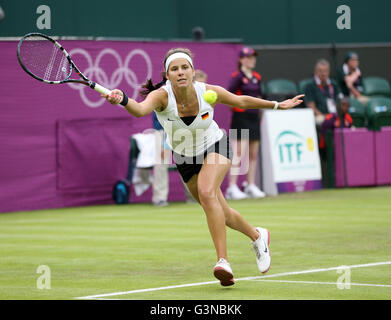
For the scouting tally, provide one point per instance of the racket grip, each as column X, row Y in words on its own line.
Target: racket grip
column 100, row 89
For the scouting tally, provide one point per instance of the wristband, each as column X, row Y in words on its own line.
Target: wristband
column 125, row 99
column 275, row 105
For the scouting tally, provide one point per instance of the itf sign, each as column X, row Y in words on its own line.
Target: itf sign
column 290, row 157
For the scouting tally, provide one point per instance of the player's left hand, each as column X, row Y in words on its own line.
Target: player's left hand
column 291, row 103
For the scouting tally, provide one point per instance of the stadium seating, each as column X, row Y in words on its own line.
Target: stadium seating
column 280, row 89
column 378, row 112
column 263, row 89
column 376, row 86
column 303, row 83
column 358, row 114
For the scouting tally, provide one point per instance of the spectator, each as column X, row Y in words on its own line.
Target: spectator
column 160, row 184
column 350, row 78
column 333, row 120
column 322, row 93
column 245, row 81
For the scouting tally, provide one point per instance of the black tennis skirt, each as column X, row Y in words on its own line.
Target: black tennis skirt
column 246, row 120
column 189, row 166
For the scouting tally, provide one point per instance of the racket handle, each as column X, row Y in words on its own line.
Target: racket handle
column 100, row 89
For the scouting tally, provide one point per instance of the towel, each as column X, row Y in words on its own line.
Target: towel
column 146, row 145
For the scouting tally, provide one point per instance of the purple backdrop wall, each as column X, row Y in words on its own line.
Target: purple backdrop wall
column 359, row 157
column 62, row 145
column 367, row 157
column 383, row 156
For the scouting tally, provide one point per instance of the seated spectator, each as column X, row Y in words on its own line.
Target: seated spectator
column 350, row 78
column 340, row 119
column 322, row 93
column 336, row 120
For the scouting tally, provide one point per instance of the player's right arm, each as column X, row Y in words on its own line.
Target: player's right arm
column 155, row 100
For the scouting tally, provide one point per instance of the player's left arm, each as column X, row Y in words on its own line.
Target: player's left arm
column 248, row 102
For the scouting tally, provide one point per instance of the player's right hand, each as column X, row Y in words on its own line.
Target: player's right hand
column 115, row 97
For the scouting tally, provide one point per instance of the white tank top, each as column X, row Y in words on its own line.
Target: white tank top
column 189, row 140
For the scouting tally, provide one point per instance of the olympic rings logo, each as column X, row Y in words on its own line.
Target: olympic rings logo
column 96, row 73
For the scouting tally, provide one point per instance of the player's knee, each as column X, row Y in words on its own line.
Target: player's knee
column 206, row 194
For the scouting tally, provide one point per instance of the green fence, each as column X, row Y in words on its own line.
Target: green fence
column 253, row 21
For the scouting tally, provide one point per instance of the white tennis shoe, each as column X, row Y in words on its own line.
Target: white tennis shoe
column 223, row 272
column 252, row 191
column 234, row 193
column 262, row 251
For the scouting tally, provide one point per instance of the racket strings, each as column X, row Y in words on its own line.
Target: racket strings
column 44, row 59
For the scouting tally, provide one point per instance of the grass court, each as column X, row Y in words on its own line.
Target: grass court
column 143, row 252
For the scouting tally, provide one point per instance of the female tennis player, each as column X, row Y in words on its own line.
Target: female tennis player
column 201, row 150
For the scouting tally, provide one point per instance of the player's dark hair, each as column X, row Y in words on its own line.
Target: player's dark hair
column 149, row 86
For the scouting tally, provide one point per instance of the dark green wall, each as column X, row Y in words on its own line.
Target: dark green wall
column 113, row 18
column 289, row 21
column 253, row 21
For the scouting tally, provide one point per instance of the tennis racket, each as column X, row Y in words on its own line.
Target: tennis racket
column 46, row 60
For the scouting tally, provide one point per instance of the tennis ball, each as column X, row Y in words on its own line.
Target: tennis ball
column 210, row 96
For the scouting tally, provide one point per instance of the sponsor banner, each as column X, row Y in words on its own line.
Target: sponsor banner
column 290, row 150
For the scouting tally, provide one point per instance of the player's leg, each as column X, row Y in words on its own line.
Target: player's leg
column 209, row 180
column 222, row 269
column 192, row 187
column 260, row 236
column 235, row 220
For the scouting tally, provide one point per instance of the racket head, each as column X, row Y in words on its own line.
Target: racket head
column 44, row 58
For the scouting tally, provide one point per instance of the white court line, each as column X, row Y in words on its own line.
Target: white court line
column 240, row 279
column 148, row 290
column 321, row 282
column 319, row 270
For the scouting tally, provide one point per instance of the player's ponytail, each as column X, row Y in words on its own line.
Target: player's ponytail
column 148, row 86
